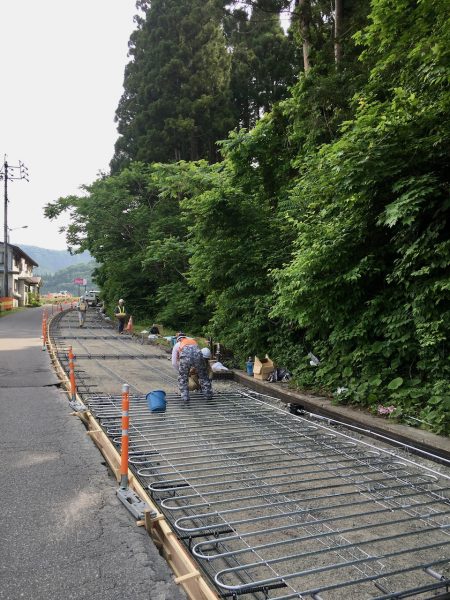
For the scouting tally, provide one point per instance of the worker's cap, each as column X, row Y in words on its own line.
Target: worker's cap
column 121, row 301
column 180, row 335
column 206, row 352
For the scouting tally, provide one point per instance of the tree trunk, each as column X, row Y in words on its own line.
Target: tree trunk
column 303, row 9
column 194, row 153
column 338, row 9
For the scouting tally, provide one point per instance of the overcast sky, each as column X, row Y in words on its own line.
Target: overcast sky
column 62, row 65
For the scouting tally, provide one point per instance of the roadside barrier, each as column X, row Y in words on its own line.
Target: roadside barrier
column 73, row 387
column 125, row 427
column 6, row 303
column 44, row 330
column 130, row 325
column 127, row 496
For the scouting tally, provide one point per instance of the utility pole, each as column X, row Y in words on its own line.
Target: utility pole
column 9, row 172
column 5, row 234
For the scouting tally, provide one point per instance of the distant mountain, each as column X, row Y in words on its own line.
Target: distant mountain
column 50, row 261
column 63, row 280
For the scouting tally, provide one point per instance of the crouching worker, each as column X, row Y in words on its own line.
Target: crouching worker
column 187, row 355
column 194, row 382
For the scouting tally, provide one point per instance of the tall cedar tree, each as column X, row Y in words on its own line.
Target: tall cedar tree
column 324, row 29
column 264, row 62
column 176, row 101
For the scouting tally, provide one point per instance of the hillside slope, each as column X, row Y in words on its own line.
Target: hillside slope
column 51, row 261
column 63, row 279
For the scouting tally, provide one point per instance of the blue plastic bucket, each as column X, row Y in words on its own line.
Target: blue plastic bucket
column 156, row 401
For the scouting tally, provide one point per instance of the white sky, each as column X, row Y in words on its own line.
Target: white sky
column 62, row 65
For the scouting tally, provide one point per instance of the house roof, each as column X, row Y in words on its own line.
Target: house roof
column 21, row 253
column 33, row 280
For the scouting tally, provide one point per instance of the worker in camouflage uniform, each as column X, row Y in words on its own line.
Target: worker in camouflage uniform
column 194, row 381
column 185, row 355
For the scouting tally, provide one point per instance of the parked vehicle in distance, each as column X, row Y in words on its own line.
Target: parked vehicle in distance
column 64, row 293
column 92, row 297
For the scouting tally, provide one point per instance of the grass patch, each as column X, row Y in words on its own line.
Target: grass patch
column 4, row 313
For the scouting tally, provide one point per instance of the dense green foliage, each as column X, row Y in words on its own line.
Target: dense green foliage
column 132, row 224
column 325, row 227
column 175, row 104
column 198, row 69
column 369, row 280
column 33, row 300
column 264, row 62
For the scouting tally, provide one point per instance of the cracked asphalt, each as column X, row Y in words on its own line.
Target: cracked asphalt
column 63, row 533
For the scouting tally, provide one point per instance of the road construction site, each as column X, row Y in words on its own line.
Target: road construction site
column 247, row 500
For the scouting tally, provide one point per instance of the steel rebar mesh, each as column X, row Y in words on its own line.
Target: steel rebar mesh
column 272, row 505
column 291, row 502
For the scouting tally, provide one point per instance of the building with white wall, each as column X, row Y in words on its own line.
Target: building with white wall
column 21, row 281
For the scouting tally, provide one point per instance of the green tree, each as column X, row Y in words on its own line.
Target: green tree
column 236, row 235
column 111, row 220
column 264, row 62
column 323, row 30
column 369, row 278
column 176, row 102
column 132, row 225
column 323, row 98
column 324, row 229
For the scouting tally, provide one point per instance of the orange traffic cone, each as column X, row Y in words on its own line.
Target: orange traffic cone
column 129, row 327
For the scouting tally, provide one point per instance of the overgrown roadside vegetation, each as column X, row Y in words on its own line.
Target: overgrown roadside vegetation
column 323, row 228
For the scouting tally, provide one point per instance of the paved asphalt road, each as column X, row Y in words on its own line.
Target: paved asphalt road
column 63, row 534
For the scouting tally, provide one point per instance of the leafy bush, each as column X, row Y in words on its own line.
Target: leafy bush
column 33, row 300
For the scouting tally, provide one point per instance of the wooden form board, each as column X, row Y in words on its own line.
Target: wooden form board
column 180, row 561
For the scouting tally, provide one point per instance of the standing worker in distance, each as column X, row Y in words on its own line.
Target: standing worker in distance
column 185, row 355
column 121, row 314
column 82, row 309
